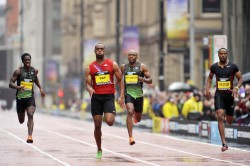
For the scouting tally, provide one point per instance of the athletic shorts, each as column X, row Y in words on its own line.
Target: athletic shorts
column 138, row 102
column 23, row 103
column 102, row 103
column 224, row 101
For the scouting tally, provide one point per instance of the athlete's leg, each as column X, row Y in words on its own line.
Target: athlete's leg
column 138, row 109
column 229, row 119
column 221, row 117
column 129, row 121
column 109, row 118
column 30, row 123
column 21, row 116
column 98, row 132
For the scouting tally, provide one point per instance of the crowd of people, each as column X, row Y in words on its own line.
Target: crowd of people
column 179, row 104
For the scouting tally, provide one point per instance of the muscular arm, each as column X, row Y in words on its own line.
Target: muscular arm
column 208, row 84
column 239, row 77
column 88, row 81
column 240, row 80
column 146, row 73
column 13, row 80
column 118, row 75
column 37, row 82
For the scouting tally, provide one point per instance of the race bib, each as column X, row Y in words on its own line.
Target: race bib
column 131, row 79
column 27, row 85
column 102, row 79
column 224, row 85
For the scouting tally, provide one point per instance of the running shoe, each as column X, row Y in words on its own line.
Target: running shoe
column 99, row 155
column 131, row 141
column 29, row 139
column 224, row 148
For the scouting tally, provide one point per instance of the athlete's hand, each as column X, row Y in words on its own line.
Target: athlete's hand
column 141, row 79
column 21, row 88
column 208, row 94
column 91, row 91
column 42, row 92
column 235, row 92
column 121, row 102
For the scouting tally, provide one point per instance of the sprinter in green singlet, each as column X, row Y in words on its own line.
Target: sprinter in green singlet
column 26, row 76
column 134, row 75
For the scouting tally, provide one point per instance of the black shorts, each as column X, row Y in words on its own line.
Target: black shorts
column 138, row 102
column 224, row 101
column 102, row 103
column 23, row 103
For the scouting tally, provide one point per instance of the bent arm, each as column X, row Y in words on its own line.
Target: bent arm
column 13, row 79
column 118, row 75
column 146, row 73
column 239, row 77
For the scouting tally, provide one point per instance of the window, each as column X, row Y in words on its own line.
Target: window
column 211, row 6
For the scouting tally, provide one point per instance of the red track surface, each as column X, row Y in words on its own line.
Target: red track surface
column 65, row 141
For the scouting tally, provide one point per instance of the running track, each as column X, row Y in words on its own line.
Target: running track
column 67, row 141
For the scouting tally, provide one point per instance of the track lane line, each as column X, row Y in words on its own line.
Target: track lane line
column 94, row 146
column 36, row 148
column 164, row 147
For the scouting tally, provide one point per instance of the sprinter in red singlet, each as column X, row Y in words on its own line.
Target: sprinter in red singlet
column 100, row 85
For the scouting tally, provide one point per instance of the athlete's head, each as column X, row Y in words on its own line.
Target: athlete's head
column 132, row 56
column 222, row 53
column 99, row 50
column 26, row 59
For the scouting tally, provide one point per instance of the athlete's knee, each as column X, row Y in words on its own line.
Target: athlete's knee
column 130, row 112
column 30, row 115
column 110, row 122
column 21, row 120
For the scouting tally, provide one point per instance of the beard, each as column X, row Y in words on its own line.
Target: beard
column 99, row 56
column 223, row 61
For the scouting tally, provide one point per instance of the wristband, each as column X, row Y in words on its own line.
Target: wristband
column 236, row 87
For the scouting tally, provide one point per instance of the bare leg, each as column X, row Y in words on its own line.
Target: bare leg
column 30, row 123
column 21, row 117
column 129, row 121
column 221, row 117
column 109, row 118
column 98, row 133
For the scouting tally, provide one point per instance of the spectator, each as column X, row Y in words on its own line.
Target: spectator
column 192, row 109
column 170, row 109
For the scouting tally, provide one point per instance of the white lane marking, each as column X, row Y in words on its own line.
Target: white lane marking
column 93, row 145
column 164, row 147
column 186, row 140
column 37, row 149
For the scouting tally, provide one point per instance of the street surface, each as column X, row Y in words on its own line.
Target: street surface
column 68, row 141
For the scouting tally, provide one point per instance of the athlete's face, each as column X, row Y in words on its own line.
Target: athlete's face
column 132, row 57
column 223, row 55
column 26, row 61
column 99, row 51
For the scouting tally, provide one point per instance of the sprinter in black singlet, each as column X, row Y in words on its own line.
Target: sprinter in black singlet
column 224, row 70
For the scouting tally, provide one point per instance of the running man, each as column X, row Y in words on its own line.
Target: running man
column 224, row 70
column 100, row 85
column 135, row 74
column 26, row 76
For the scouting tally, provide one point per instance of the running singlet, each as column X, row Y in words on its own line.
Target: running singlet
column 224, row 76
column 26, row 79
column 103, row 77
column 133, row 86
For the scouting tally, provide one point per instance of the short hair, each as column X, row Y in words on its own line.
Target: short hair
column 222, row 49
column 24, row 55
column 132, row 52
column 100, row 44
